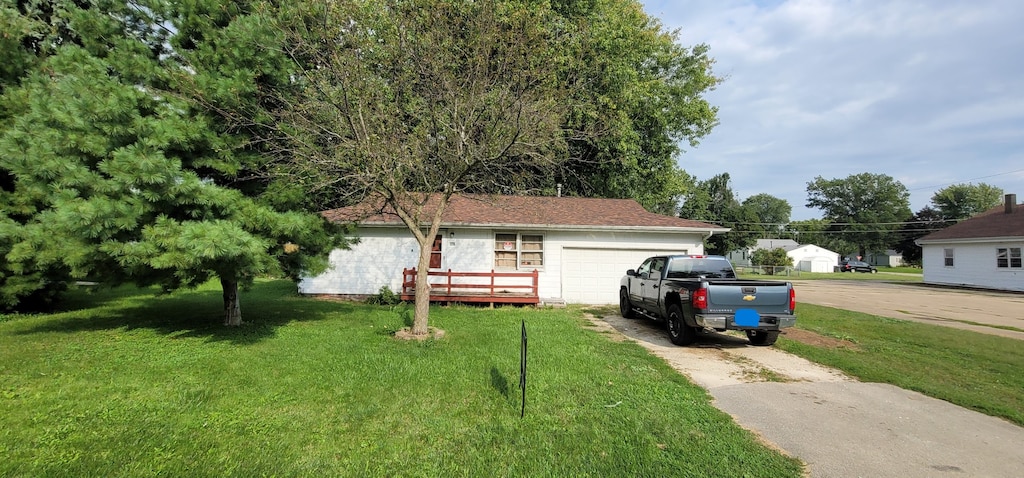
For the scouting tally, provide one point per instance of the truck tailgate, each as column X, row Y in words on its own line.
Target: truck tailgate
column 764, row 297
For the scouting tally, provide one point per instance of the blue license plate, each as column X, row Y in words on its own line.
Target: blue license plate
column 747, row 318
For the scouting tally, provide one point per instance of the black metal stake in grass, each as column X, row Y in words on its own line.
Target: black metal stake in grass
column 522, row 370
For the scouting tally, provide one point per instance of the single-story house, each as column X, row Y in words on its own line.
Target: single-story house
column 983, row 251
column 580, row 247
column 806, row 257
column 887, row 258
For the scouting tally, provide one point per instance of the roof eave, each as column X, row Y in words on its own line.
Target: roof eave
column 965, row 240
column 562, row 227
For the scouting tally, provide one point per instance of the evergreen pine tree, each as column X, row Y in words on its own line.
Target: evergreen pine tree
column 115, row 172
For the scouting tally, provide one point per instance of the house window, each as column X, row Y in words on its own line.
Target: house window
column 518, row 251
column 949, row 257
column 532, row 254
column 505, row 251
column 1008, row 257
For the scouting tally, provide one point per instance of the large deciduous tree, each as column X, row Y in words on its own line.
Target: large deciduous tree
column 772, row 212
column 713, row 200
column 708, row 199
column 407, row 103
column 639, row 93
column 865, row 208
column 113, row 175
column 924, row 222
column 961, row 201
column 818, row 232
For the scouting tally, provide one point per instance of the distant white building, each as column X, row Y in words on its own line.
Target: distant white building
column 806, row 257
column 812, row 258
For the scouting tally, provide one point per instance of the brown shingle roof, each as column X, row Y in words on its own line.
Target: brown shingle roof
column 994, row 223
column 532, row 211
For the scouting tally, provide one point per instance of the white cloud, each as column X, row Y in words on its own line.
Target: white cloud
column 929, row 93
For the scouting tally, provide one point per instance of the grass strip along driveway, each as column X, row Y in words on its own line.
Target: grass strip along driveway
column 977, row 371
column 123, row 383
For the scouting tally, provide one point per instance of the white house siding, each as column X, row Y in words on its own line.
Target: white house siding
column 973, row 265
column 595, row 260
column 381, row 255
column 376, row 261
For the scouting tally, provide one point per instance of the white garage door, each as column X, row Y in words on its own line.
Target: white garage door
column 591, row 276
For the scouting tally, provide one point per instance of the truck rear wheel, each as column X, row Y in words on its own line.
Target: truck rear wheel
column 762, row 337
column 625, row 308
column 678, row 332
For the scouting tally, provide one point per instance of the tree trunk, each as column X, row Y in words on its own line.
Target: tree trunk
column 419, row 321
column 232, row 308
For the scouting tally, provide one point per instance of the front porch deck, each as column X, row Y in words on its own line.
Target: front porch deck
column 476, row 287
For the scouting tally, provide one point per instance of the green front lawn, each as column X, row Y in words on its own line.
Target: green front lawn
column 123, row 383
column 973, row 370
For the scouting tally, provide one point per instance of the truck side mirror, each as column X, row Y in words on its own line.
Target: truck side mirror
column 631, row 272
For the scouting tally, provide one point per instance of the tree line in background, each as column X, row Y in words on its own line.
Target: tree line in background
column 173, row 142
column 169, row 143
column 862, row 213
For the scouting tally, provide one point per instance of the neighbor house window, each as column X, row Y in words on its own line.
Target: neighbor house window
column 1008, row 257
column 949, row 257
column 518, row 251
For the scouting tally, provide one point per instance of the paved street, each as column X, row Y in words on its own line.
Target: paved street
column 980, row 311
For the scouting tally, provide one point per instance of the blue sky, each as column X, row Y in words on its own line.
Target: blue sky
column 928, row 92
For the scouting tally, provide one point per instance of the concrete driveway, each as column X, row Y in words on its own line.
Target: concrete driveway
column 838, row 426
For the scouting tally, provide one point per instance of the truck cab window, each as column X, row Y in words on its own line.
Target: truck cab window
column 657, row 266
column 645, row 268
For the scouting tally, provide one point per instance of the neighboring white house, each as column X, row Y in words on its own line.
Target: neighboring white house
column 806, row 257
column 581, row 247
column 888, row 258
column 983, row 251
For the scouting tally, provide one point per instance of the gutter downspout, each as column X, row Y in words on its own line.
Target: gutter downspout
column 704, row 242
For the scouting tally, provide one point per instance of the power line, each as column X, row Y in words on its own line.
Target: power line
column 967, row 181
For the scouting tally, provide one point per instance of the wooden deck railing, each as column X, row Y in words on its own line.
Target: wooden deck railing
column 486, row 287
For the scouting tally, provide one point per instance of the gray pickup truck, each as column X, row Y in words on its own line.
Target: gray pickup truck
column 691, row 293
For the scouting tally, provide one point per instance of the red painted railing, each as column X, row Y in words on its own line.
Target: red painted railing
column 488, row 287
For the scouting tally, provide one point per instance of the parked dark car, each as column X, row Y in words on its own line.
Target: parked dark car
column 856, row 266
